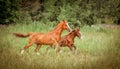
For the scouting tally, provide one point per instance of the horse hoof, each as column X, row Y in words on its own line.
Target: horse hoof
column 38, row 53
column 61, row 51
column 22, row 51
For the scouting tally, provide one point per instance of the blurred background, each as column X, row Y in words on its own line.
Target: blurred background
column 77, row 12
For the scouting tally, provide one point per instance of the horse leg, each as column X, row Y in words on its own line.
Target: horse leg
column 48, row 49
column 37, row 49
column 57, row 48
column 70, row 48
column 74, row 49
column 27, row 46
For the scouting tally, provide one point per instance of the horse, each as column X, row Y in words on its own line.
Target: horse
column 68, row 40
column 49, row 38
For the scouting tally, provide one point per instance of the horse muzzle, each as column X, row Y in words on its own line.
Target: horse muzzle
column 69, row 30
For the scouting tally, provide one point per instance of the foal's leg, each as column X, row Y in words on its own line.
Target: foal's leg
column 74, row 49
column 27, row 46
column 37, row 49
column 70, row 48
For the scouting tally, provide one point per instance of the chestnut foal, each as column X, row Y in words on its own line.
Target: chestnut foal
column 68, row 40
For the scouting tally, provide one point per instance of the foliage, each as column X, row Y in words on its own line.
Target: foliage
column 77, row 12
column 22, row 17
column 8, row 9
column 82, row 12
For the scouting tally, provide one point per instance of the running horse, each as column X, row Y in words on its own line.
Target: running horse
column 50, row 38
column 68, row 40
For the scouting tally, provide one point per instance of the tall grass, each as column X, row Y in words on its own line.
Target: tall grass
column 99, row 49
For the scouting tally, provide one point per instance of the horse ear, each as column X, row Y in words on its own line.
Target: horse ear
column 77, row 29
column 64, row 21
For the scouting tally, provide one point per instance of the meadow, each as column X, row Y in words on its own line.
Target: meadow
column 99, row 49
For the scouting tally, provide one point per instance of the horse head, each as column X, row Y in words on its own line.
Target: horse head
column 77, row 33
column 65, row 26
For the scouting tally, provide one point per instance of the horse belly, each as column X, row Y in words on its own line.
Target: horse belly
column 45, row 42
column 63, row 43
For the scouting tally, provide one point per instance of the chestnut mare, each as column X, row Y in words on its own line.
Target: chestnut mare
column 68, row 40
column 50, row 38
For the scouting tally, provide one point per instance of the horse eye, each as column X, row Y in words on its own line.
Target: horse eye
column 65, row 24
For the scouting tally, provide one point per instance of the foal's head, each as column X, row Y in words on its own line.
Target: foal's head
column 65, row 26
column 77, row 33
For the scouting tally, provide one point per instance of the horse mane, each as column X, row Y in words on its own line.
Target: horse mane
column 73, row 31
column 58, row 24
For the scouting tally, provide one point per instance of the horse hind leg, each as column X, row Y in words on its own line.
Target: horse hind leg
column 27, row 46
column 37, row 49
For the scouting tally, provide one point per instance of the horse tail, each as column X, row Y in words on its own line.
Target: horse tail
column 22, row 35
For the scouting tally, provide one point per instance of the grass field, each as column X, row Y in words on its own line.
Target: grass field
column 99, row 49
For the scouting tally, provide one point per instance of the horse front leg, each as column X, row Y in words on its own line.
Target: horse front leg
column 57, row 45
column 57, row 48
column 48, row 49
column 74, row 49
column 70, row 48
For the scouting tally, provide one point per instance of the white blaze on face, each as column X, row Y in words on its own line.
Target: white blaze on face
column 81, row 35
column 69, row 27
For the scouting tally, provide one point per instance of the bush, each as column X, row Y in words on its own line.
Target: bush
column 76, row 12
column 8, row 9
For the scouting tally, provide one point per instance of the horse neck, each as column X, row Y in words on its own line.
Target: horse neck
column 72, row 35
column 57, row 30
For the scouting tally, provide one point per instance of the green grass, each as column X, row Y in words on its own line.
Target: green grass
column 99, row 49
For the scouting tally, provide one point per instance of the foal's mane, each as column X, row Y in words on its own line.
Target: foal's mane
column 71, row 32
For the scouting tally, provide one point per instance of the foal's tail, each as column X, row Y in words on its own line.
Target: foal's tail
column 22, row 35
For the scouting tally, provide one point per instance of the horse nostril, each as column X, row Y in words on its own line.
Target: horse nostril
column 69, row 30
